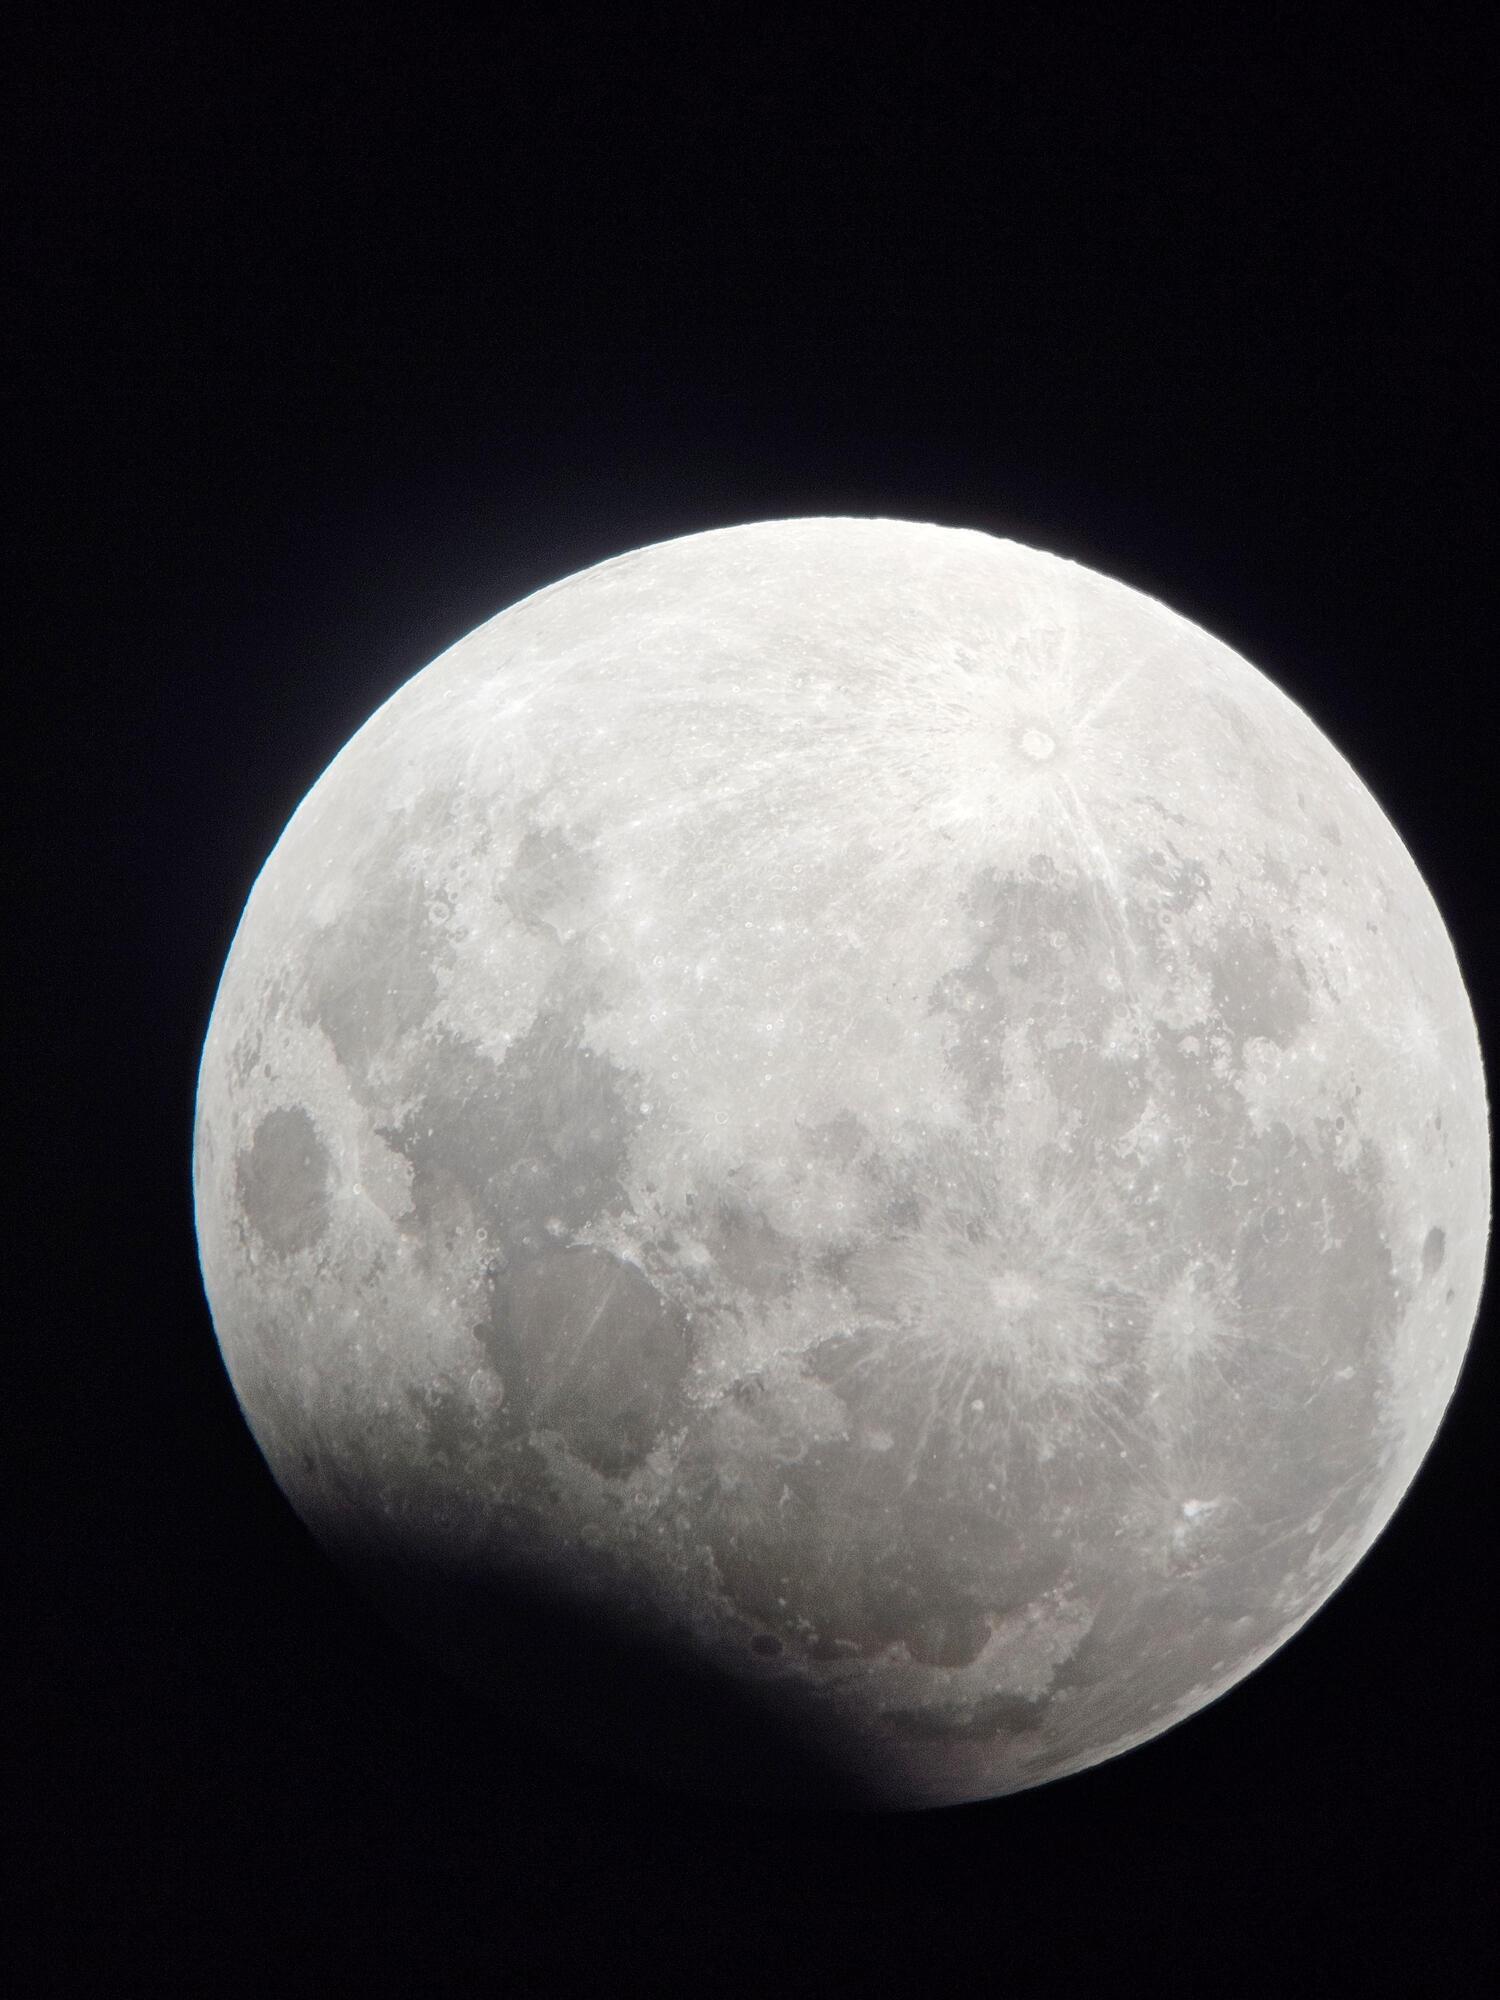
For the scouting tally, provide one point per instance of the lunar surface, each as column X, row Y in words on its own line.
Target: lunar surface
column 844, row 1154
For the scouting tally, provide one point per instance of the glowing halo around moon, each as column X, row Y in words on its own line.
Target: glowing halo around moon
column 861, row 1114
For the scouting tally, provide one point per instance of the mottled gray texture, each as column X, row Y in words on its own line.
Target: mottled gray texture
column 868, row 1102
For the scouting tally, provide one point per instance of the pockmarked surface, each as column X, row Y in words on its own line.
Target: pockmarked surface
column 867, row 1101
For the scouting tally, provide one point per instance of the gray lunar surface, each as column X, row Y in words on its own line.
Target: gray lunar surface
column 862, row 1110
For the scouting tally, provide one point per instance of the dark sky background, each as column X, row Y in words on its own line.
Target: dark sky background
column 338, row 336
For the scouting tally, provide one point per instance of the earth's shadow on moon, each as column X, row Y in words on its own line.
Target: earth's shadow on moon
column 550, row 1671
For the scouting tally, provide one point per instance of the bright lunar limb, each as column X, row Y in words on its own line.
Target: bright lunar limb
column 861, row 1115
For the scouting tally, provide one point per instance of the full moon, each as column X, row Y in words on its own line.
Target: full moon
column 845, row 1162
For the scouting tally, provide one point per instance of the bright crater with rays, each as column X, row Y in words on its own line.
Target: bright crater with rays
column 867, row 1103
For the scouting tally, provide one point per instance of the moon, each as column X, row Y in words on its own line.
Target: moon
column 844, row 1157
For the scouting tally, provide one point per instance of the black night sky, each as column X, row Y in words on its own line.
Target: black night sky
column 341, row 334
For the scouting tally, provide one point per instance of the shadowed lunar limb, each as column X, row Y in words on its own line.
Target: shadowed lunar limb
column 614, row 1690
